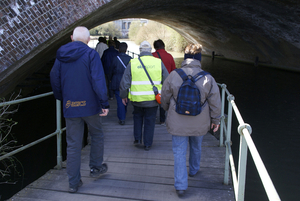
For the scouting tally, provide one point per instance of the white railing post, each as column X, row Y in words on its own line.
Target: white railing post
column 228, row 140
column 242, row 169
column 58, row 136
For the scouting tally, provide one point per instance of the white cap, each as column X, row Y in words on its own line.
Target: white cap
column 145, row 46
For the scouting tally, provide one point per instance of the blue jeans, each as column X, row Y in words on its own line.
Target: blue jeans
column 180, row 145
column 144, row 116
column 121, row 108
column 75, row 130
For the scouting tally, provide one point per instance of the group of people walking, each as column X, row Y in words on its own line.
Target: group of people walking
column 80, row 78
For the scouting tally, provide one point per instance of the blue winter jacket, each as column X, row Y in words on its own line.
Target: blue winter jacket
column 107, row 57
column 116, row 70
column 77, row 78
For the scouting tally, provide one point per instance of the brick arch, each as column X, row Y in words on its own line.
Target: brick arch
column 29, row 27
column 32, row 30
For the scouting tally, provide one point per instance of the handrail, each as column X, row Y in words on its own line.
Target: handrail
column 245, row 142
column 58, row 131
column 132, row 53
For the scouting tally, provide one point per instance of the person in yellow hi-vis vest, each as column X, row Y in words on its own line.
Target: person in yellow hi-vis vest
column 136, row 86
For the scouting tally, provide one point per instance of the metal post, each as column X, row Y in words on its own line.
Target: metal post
column 58, row 136
column 242, row 169
column 222, row 115
column 228, row 139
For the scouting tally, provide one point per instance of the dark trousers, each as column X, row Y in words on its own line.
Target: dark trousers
column 74, row 130
column 121, row 108
column 109, row 90
column 162, row 114
column 144, row 116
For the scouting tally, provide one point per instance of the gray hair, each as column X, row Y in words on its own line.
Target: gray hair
column 81, row 34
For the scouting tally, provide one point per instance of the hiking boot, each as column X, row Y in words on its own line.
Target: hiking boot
column 95, row 172
column 75, row 188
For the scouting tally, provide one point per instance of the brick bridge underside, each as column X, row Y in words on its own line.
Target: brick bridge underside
column 32, row 30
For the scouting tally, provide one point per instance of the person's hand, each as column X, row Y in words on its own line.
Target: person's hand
column 104, row 112
column 124, row 101
column 215, row 127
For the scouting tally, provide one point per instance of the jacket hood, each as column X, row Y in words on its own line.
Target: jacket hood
column 71, row 51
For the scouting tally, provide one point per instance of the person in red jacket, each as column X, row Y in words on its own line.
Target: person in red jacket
column 169, row 63
column 161, row 53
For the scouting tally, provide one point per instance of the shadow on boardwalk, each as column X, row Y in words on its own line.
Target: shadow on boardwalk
column 135, row 174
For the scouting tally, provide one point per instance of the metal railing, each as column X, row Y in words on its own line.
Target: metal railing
column 132, row 54
column 246, row 142
column 58, row 131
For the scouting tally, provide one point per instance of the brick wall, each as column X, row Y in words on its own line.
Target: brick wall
column 26, row 24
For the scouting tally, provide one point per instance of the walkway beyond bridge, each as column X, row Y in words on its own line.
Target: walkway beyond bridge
column 133, row 173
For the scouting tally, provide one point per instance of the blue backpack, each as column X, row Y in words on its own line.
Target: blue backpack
column 189, row 97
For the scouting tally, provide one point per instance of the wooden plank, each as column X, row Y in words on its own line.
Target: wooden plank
column 132, row 190
column 43, row 195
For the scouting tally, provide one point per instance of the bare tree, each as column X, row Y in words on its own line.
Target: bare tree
column 8, row 166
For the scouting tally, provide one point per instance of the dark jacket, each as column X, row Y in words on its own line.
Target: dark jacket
column 117, row 70
column 77, row 78
column 107, row 58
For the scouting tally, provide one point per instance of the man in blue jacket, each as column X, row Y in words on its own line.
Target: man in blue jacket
column 106, row 59
column 116, row 71
column 77, row 78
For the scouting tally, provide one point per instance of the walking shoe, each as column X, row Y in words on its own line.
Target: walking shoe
column 122, row 122
column 192, row 175
column 95, row 172
column 75, row 188
column 162, row 123
column 147, row 148
column 180, row 193
column 136, row 142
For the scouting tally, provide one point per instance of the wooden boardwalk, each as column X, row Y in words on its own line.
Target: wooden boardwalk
column 133, row 173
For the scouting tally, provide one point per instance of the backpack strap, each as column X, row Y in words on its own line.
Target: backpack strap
column 181, row 74
column 158, row 55
column 200, row 75
column 121, row 61
column 153, row 86
column 195, row 78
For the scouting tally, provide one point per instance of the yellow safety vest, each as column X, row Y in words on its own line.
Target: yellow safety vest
column 141, row 87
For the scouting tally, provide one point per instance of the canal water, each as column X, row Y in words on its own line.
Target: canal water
column 267, row 98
